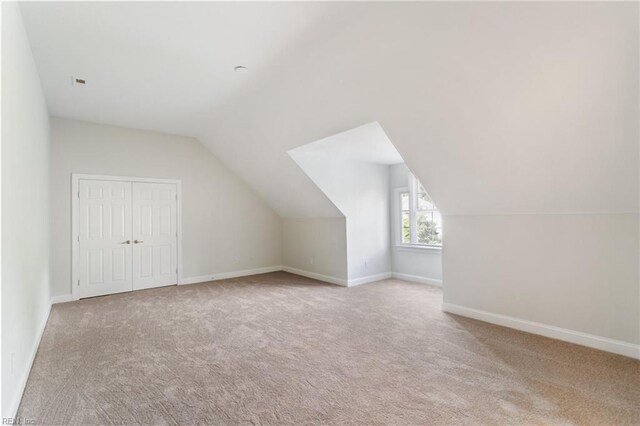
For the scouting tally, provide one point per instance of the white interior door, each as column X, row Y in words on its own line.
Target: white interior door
column 155, row 260
column 104, row 237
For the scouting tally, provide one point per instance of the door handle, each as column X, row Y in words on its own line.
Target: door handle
column 137, row 241
column 126, row 242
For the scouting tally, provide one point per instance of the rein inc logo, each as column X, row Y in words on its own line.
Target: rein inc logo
column 18, row 421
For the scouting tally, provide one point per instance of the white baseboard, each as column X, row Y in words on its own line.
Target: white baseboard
column 369, row 279
column 61, row 299
column 13, row 407
column 316, row 276
column 227, row 275
column 597, row 342
column 417, row 279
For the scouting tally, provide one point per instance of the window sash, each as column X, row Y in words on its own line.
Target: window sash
column 414, row 212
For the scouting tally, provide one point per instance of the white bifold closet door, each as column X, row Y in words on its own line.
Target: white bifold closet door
column 127, row 236
column 155, row 260
column 105, row 237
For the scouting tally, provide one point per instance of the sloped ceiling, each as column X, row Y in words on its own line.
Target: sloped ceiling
column 326, row 158
column 163, row 65
column 498, row 108
column 367, row 143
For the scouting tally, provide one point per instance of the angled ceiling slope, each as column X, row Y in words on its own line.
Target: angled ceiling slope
column 162, row 66
column 323, row 160
column 497, row 107
column 367, row 143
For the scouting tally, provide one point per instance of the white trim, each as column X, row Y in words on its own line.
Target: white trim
column 419, row 248
column 227, row 275
column 63, row 298
column 597, row 342
column 396, row 216
column 179, row 228
column 368, row 279
column 13, row 407
column 569, row 213
column 75, row 223
column 316, row 276
column 78, row 176
column 417, row 279
column 75, row 231
column 320, row 277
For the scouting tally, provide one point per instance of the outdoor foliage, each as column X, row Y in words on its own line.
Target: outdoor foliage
column 427, row 219
column 428, row 231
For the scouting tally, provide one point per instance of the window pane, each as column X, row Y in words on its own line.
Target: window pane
column 406, row 230
column 404, row 201
column 424, row 201
column 429, row 228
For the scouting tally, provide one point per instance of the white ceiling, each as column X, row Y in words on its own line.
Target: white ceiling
column 162, row 65
column 367, row 143
column 497, row 107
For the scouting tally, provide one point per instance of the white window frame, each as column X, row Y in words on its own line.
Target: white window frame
column 397, row 218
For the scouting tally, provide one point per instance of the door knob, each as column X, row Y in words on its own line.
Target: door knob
column 137, row 241
column 126, row 242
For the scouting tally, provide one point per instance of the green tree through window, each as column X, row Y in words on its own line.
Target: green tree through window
column 420, row 220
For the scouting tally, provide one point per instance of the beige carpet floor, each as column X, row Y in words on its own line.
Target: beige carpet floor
column 282, row 349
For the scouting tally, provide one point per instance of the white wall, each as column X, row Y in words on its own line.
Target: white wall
column 578, row 272
column 500, row 108
column 365, row 201
column 360, row 190
column 423, row 263
column 25, row 213
column 318, row 246
column 226, row 227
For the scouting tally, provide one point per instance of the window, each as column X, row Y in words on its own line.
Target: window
column 420, row 222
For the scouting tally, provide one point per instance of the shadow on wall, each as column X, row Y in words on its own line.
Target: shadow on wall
column 360, row 171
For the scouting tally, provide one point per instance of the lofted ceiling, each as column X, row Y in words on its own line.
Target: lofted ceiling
column 367, row 143
column 498, row 108
column 162, row 65
column 332, row 156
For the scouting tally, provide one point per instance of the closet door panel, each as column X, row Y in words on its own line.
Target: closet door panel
column 155, row 247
